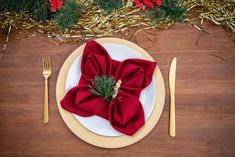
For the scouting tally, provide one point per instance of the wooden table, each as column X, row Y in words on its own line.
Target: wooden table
column 205, row 97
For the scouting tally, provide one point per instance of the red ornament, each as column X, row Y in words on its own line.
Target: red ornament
column 138, row 3
column 158, row 2
column 148, row 3
column 55, row 4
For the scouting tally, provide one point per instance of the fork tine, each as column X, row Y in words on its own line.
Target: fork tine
column 49, row 63
column 46, row 63
column 43, row 64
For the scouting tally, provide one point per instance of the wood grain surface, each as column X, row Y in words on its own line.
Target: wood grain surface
column 205, row 97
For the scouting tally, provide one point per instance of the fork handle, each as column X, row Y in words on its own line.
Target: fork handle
column 46, row 108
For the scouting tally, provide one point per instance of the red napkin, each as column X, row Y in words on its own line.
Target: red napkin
column 125, row 113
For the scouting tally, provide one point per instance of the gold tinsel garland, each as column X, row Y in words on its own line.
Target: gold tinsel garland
column 219, row 12
column 97, row 23
column 93, row 23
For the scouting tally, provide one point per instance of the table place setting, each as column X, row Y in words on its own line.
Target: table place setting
column 110, row 92
column 117, row 78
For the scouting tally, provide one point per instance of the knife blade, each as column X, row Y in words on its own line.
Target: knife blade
column 172, row 76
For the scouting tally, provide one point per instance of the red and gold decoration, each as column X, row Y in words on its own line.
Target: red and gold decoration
column 84, row 19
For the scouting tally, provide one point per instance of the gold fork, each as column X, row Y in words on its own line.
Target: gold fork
column 46, row 66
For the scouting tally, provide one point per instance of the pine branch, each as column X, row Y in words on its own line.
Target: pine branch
column 171, row 11
column 109, row 5
column 38, row 8
column 68, row 15
column 103, row 87
column 41, row 10
column 17, row 5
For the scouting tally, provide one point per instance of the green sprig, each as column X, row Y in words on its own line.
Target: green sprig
column 68, row 15
column 171, row 11
column 103, row 87
column 109, row 5
column 38, row 8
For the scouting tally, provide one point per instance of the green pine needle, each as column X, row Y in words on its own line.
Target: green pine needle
column 171, row 11
column 17, row 5
column 68, row 15
column 38, row 8
column 41, row 11
column 109, row 5
column 103, row 87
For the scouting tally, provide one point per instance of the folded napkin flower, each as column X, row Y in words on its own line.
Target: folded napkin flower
column 124, row 112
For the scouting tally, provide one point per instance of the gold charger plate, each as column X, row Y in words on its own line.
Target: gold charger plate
column 107, row 141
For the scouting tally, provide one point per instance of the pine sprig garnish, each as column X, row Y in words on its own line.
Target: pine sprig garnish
column 171, row 11
column 103, row 87
column 38, row 8
column 68, row 15
column 109, row 5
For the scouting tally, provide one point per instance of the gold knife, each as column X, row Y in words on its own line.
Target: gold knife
column 172, row 74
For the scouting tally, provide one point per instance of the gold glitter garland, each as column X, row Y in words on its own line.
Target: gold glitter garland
column 96, row 23
column 217, row 11
column 24, row 21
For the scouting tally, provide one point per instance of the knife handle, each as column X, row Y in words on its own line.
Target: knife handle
column 172, row 116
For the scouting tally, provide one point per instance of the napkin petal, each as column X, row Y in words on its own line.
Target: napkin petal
column 135, row 74
column 126, row 114
column 81, row 101
column 95, row 61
